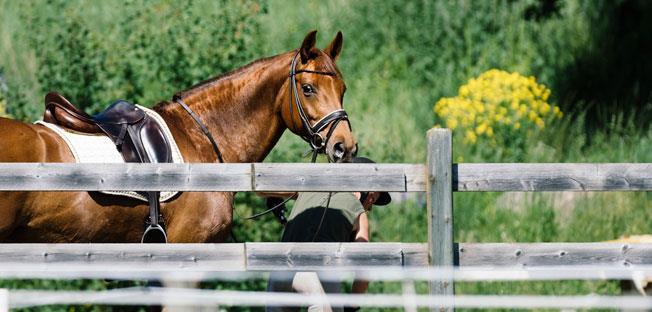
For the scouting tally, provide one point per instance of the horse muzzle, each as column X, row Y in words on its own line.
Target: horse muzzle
column 341, row 151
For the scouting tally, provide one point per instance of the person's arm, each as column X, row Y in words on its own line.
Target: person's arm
column 361, row 229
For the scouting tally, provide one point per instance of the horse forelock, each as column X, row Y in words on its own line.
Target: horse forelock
column 324, row 63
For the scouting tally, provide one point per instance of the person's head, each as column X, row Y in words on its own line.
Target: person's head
column 368, row 199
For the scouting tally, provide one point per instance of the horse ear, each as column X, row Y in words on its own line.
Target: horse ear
column 333, row 50
column 306, row 51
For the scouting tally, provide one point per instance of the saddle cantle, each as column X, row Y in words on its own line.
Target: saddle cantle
column 137, row 136
column 59, row 111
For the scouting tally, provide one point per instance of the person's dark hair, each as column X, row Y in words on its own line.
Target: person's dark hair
column 363, row 196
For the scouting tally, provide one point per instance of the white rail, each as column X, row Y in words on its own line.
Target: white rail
column 4, row 300
column 190, row 297
column 639, row 274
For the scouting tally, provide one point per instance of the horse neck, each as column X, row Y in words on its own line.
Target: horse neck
column 239, row 109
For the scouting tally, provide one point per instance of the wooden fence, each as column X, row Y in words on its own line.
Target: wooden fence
column 439, row 178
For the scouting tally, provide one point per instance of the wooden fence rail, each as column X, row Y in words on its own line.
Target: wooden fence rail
column 498, row 177
column 439, row 178
column 312, row 256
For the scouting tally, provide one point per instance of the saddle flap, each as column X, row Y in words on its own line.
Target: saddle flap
column 144, row 142
column 154, row 142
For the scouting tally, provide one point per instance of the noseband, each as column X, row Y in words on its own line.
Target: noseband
column 311, row 134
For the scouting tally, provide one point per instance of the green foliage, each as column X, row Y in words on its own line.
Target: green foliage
column 610, row 75
column 143, row 51
column 398, row 59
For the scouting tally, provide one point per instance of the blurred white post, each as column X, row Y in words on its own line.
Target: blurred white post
column 440, row 209
column 180, row 308
column 4, row 300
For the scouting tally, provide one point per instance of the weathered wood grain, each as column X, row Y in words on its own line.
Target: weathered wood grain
column 124, row 177
column 320, row 256
column 329, row 177
column 321, row 177
column 440, row 208
column 549, row 254
column 210, row 257
column 416, row 177
column 311, row 256
column 552, row 177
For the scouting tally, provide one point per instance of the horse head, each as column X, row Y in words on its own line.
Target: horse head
column 312, row 100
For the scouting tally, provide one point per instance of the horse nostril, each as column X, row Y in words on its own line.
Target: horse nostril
column 338, row 150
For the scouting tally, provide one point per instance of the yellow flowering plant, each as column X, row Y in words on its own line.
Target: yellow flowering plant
column 3, row 105
column 498, row 107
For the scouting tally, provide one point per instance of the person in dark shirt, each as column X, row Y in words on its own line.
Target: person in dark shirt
column 326, row 217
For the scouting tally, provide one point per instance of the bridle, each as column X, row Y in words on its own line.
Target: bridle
column 312, row 134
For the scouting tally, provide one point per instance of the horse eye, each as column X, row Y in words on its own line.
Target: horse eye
column 308, row 90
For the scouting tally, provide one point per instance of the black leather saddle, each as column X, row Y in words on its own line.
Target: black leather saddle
column 137, row 136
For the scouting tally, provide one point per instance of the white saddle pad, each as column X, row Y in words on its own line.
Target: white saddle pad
column 98, row 148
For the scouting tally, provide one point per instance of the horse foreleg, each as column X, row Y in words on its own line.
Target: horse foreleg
column 199, row 218
column 10, row 205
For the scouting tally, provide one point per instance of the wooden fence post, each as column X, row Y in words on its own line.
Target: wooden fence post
column 4, row 300
column 440, row 208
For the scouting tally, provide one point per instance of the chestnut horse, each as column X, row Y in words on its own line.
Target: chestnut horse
column 246, row 111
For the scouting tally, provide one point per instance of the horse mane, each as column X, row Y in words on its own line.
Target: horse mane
column 204, row 84
column 329, row 65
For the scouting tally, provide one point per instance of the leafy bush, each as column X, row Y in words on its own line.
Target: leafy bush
column 142, row 51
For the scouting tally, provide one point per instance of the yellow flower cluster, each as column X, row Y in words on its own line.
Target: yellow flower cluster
column 497, row 101
column 3, row 104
